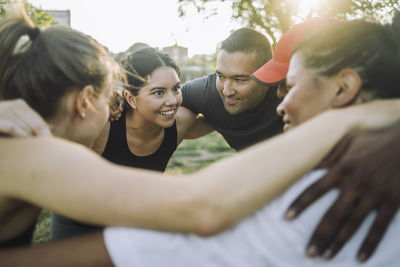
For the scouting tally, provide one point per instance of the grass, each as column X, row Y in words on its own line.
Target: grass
column 190, row 156
column 42, row 230
column 193, row 155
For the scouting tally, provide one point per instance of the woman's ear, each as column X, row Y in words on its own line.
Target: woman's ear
column 349, row 85
column 131, row 99
column 83, row 100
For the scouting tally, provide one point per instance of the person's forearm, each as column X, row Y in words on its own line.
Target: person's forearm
column 85, row 251
column 86, row 188
column 238, row 186
column 189, row 126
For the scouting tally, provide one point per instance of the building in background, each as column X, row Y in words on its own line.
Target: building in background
column 191, row 72
column 178, row 53
column 191, row 68
column 63, row 17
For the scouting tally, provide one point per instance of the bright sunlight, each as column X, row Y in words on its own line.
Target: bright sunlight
column 306, row 7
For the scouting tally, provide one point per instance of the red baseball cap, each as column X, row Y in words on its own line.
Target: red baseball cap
column 275, row 70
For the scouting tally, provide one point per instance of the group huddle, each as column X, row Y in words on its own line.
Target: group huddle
column 304, row 189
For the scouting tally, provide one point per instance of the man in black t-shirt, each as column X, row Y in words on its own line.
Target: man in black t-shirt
column 232, row 103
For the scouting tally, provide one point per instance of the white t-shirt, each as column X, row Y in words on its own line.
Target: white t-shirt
column 264, row 239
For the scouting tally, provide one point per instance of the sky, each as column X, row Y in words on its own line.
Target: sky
column 118, row 24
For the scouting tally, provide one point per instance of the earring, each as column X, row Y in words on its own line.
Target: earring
column 83, row 114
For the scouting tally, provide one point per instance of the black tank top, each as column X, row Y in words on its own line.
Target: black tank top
column 23, row 239
column 117, row 149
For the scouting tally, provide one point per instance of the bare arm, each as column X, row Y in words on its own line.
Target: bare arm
column 190, row 126
column 75, row 182
column 86, row 250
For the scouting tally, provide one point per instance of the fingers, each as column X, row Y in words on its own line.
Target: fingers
column 24, row 127
column 356, row 216
column 330, row 224
column 115, row 114
column 19, row 120
column 121, row 105
column 37, row 126
column 337, row 152
column 376, row 232
column 116, row 106
column 338, row 172
column 311, row 194
column 12, row 129
column 43, row 131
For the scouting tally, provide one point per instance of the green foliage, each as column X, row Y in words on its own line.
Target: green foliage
column 275, row 16
column 3, row 4
column 42, row 229
column 38, row 16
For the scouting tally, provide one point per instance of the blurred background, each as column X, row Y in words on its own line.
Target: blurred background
column 190, row 30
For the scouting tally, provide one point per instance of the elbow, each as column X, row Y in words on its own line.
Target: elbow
column 210, row 228
column 210, row 219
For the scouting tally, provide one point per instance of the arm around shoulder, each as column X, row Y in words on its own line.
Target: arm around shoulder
column 71, row 180
column 190, row 125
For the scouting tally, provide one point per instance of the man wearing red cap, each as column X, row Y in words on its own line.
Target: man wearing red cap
column 240, row 108
column 273, row 73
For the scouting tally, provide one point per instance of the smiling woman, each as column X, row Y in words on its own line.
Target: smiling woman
column 148, row 131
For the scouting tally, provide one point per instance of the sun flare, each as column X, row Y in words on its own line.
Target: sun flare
column 306, row 6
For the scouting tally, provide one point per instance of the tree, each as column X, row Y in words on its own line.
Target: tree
column 37, row 15
column 276, row 16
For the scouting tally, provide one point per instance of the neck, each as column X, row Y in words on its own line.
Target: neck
column 58, row 128
column 64, row 128
column 68, row 125
column 141, row 128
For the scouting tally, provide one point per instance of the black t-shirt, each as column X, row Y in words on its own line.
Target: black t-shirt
column 240, row 130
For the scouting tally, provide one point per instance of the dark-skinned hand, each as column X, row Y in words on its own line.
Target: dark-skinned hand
column 365, row 167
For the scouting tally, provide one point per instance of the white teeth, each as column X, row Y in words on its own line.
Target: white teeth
column 167, row 113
